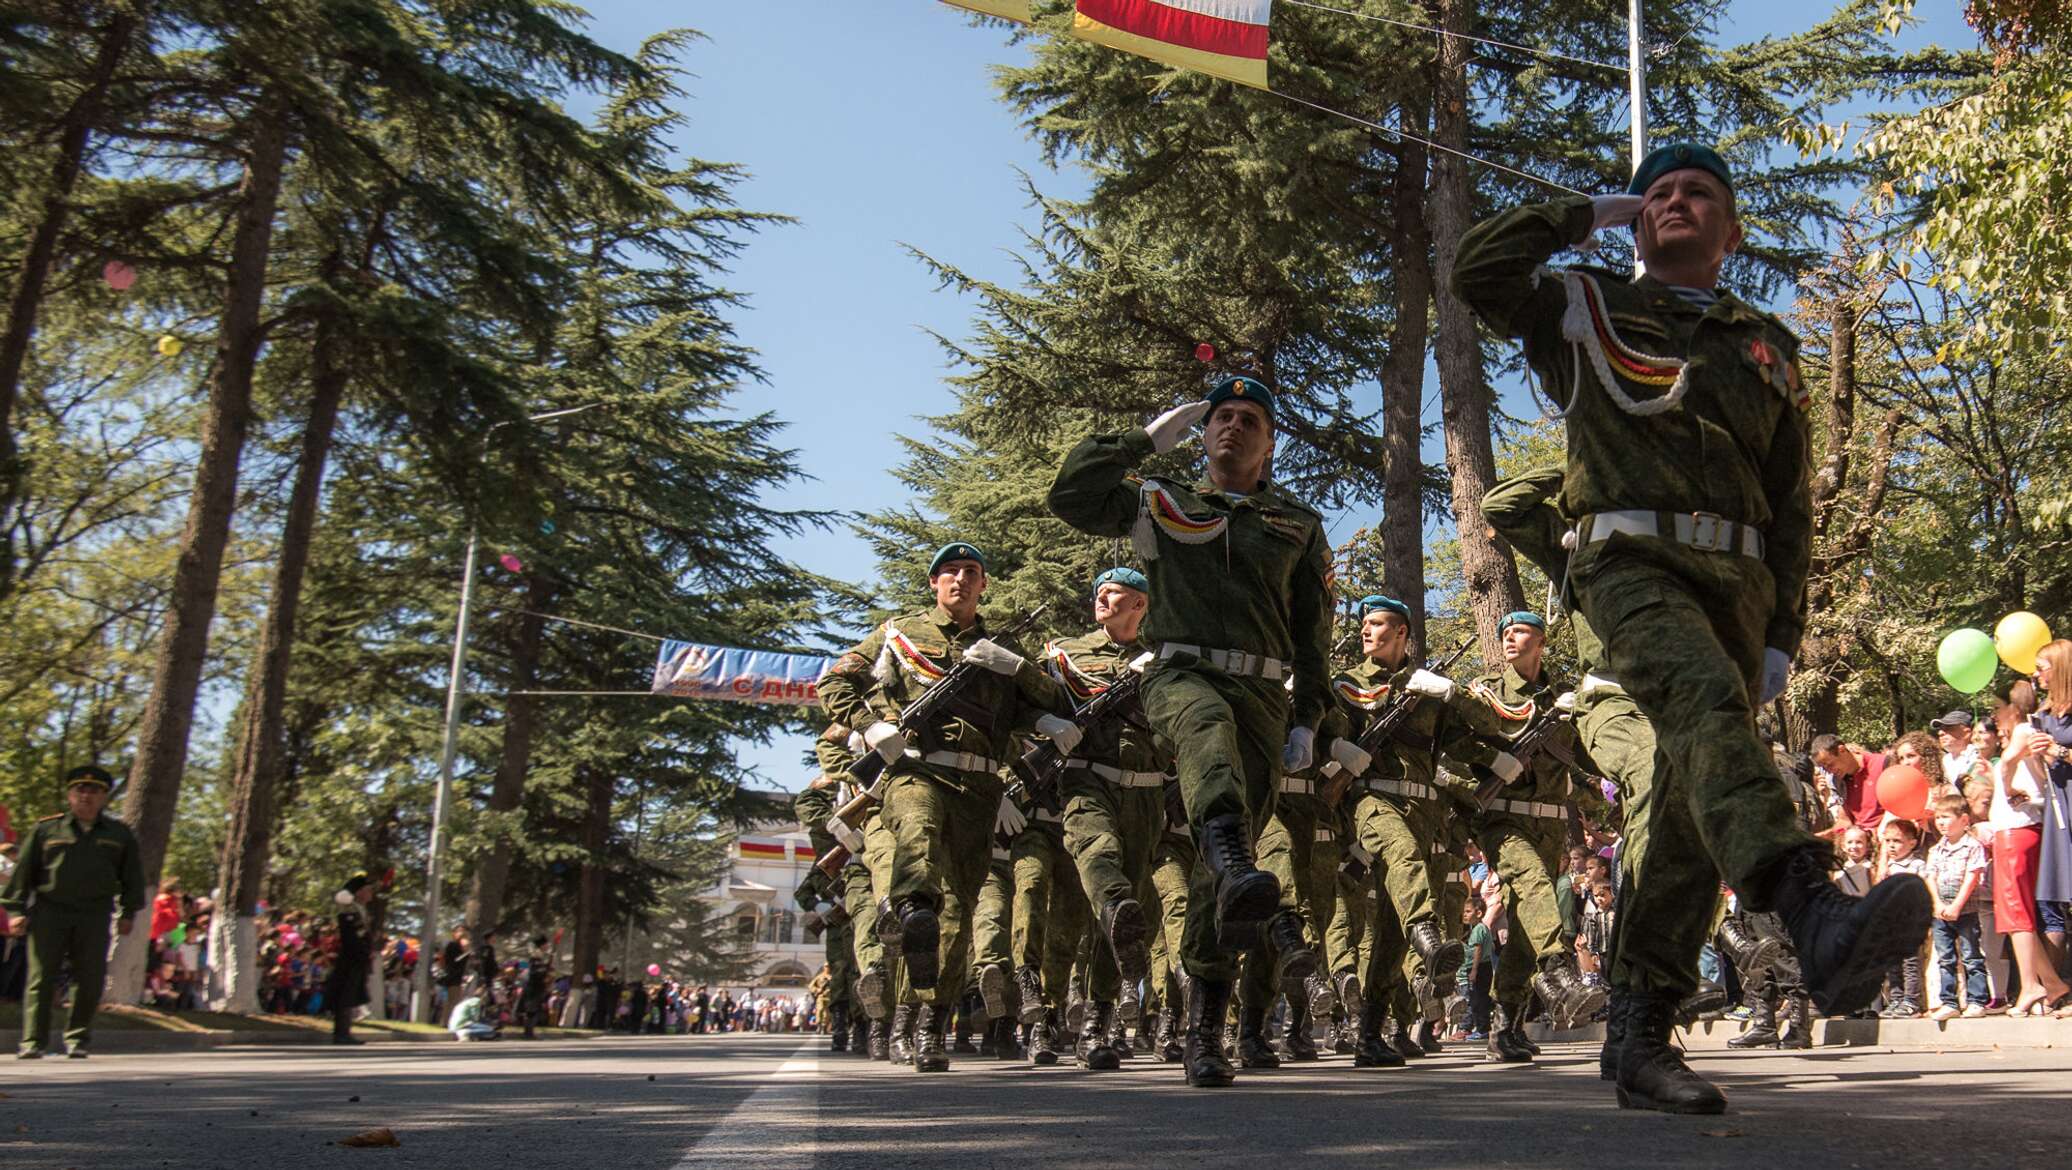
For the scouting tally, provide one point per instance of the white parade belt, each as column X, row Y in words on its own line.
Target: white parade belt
column 959, row 761
column 1409, row 788
column 1117, row 776
column 1299, row 785
column 1530, row 808
column 1240, row 662
column 1704, row 531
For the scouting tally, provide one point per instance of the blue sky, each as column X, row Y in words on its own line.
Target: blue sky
column 875, row 124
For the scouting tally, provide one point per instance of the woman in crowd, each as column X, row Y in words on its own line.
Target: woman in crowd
column 1917, row 749
column 2016, row 820
column 2054, row 860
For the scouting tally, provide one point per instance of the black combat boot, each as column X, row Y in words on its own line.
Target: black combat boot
column 1844, row 944
column 961, row 1043
column 870, row 989
column 931, row 1024
column 1507, row 1035
column 1762, row 1020
column 1028, row 984
column 1400, row 1040
column 1043, row 1040
column 1751, row 950
column 1092, row 1049
column 1297, row 1043
column 1372, row 1051
column 1441, row 955
column 1427, row 1035
column 1119, row 1038
column 1294, row 960
column 1317, row 995
column 1208, row 1001
column 1798, row 1030
column 920, row 941
column 1652, row 1072
column 1129, row 1004
column 1345, row 988
column 1614, row 1035
column 903, row 1034
column 1253, row 1050
column 1006, row 1040
column 860, row 1036
column 838, row 1024
column 1519, row 1035
column 1123, row 921
column 1245, row 895
column 880, row 1046
column 1569, row 1000
column 1708, row 1002
column 992, row 990
column 1167, row 1046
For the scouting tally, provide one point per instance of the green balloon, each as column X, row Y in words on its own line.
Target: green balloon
column 1967, row 660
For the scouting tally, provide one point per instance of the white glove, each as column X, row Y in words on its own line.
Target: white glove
column 1010, row 820
column 1169, row 428
column 1776, row 672
column 1609, row 211
column 1347, row 755
column 994, row 657
column 1142, row 662
column 885, row 739
column 1301, row 750
column 1507, row 767
column 851, row 839
column 1566, row 704
column 1431, row 686
column 1060, row 731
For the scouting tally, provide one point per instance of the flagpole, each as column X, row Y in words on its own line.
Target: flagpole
column 1637, row 97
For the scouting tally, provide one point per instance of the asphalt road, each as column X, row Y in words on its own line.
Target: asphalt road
column 780, row 1103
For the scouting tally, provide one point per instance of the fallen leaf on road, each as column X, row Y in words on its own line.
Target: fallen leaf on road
column 1719, row 1133
column 354, row 1097
column 383, row 1138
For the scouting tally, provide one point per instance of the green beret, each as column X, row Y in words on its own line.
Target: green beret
column 1375, row 601
column 955, row 551
column 1242, row 388
column 1678, row 156
column 89, row 774
column 1522, row 617
column 1124, row 576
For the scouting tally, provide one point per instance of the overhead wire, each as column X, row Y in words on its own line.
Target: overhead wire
column 1550, row 54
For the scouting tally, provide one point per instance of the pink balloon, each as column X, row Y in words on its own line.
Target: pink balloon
column 654, row 968
column 118, row 275
column 512, row 563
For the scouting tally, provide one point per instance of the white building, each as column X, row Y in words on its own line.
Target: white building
column 770, row 859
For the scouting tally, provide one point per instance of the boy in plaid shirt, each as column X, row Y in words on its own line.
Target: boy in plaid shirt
column 1956, row 866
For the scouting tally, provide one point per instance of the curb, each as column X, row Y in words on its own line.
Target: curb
column 119, row 1042
column 1990, row 1032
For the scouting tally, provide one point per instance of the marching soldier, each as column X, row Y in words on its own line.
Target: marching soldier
column 992, row 919
column 1113, row 785
column 1396, row 812
column 1524, row 834
column 942, row 792
column 1048, row 913
column 73, row 868
column 1687, row 483
column 1240, row 600
column 1173, row 860
column 825, row 901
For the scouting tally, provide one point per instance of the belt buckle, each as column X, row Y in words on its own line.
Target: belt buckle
column 1711, row 532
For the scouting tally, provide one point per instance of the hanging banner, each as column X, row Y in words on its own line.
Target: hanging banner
column 1222, row 38
column 693, row 670
column 1014, row 10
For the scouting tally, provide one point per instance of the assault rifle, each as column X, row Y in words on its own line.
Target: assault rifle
column 1382, row 729
column 1540, row 735
column 1037, row 772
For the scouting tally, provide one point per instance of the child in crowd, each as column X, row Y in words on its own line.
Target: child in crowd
column 1596, row 938
column 1978, row 802
column 1955, row 864
column 1901, row 854
column 1855, row 874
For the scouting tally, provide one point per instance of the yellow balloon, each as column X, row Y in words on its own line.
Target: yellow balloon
column 170, row 346
column 2018, row 637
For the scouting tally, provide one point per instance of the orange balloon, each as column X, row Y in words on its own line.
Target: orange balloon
column 1903, row 790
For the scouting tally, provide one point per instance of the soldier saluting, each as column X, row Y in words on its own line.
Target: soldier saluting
column 941, row 794
column 1686, row 481
column 1239, row 604
column 74, row 867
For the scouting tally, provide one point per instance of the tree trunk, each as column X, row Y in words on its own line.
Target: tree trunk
column 1402, row 381
column 248, row 846
column 507, row 791
column 37, row 259
column 1490, row 574
column 597, row 818
column 154, row 779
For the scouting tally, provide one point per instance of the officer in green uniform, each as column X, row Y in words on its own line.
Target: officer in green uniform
column 72, row 869
column 1112, row 786
column 1655, row 937
column 1239, row 601
column 1396, row 811
column 1524, row 834
column 941, row 793
column 1173, row 859
column 1687, row 481
column 825, row 901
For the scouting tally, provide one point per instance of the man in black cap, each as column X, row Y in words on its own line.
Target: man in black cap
column 1240, row 604
column 346, row 987
column 1953, row 735
column 1687, row 486
column 74, row 867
